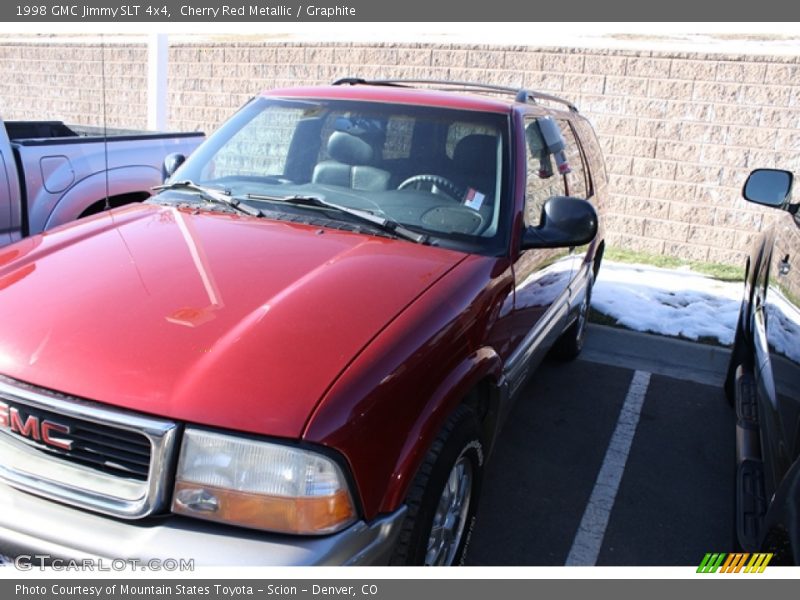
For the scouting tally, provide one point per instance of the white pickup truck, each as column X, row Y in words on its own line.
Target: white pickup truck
column 52, row 173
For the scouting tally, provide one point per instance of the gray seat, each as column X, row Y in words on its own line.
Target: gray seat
column 475, row 162
column 351, row 164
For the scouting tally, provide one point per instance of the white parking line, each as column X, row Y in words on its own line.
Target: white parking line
column 589, row 538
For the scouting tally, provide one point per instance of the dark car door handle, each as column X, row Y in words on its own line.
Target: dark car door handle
column 784, row 266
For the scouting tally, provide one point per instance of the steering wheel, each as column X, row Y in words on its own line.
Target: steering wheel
column 435, row 184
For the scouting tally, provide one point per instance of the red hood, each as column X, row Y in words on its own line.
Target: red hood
column 209, row 318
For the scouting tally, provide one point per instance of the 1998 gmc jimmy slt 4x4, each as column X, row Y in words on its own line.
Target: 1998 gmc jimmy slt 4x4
column 301, row 350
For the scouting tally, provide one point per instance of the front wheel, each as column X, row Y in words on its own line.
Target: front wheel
column 444, row 497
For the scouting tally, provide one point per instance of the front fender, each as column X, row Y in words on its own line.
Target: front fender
column 46, row 214
column 483, row 365
column 385, row 410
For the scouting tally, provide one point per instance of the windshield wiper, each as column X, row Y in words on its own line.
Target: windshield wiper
column 210, row 194
column 382, row 223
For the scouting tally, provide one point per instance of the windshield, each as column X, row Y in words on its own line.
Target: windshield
column 437, row 171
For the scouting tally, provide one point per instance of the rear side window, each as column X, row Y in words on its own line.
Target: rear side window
column 593, row 154
column 577, row 182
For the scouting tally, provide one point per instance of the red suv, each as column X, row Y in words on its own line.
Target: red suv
column 302, row 349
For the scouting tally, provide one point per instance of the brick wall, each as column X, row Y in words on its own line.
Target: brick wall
column 680, row 130
column 65, row 82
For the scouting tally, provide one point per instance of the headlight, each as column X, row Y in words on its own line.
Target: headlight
column 261, row 485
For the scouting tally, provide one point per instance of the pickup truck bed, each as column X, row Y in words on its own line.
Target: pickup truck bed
column 52, row 173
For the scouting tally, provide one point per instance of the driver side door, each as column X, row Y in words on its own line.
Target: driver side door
column 542, row 276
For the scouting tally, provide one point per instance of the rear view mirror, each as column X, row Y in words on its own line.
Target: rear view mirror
column 770, row 187
column 565, row 222
column 171, row 164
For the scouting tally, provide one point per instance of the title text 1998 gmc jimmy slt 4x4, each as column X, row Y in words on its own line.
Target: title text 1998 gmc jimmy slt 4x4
column 301, row 350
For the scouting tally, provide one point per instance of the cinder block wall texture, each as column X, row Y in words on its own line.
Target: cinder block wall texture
column 680, row 130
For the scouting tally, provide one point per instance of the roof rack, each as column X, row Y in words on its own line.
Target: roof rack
column 520, row 94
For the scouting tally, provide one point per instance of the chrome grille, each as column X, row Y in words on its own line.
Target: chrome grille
column 108, row 449
column 84, row 453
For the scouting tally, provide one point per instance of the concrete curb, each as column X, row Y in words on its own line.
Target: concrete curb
column 657, row 354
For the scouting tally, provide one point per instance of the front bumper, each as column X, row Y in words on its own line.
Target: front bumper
column 34, row 526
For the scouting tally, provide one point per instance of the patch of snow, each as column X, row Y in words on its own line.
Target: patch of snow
column 674, row 302
column 682, row 303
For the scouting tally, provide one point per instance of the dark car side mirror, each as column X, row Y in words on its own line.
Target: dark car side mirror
column 565, row 222
column 770, row 187
column 171, row 164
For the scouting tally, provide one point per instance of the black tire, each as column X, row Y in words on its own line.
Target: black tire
column 458, row 446
column 570, row 344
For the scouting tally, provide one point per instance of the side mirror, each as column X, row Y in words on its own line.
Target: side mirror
column 770, row 187
column 171, row 164
column 565, row 222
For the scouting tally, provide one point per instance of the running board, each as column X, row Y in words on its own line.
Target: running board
column 751, row 500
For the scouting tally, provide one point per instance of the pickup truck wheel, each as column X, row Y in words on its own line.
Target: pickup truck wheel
column 570, row 344
column 444, row 497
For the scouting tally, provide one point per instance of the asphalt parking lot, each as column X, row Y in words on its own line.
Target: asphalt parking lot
column 623, row 457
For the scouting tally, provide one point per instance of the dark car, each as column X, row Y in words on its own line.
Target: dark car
column 764, row 379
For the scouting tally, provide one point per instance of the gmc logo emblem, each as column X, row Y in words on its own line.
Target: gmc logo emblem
column 31, row 427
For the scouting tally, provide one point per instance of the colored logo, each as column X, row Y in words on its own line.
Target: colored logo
column 33, row 428
column 734, row 563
